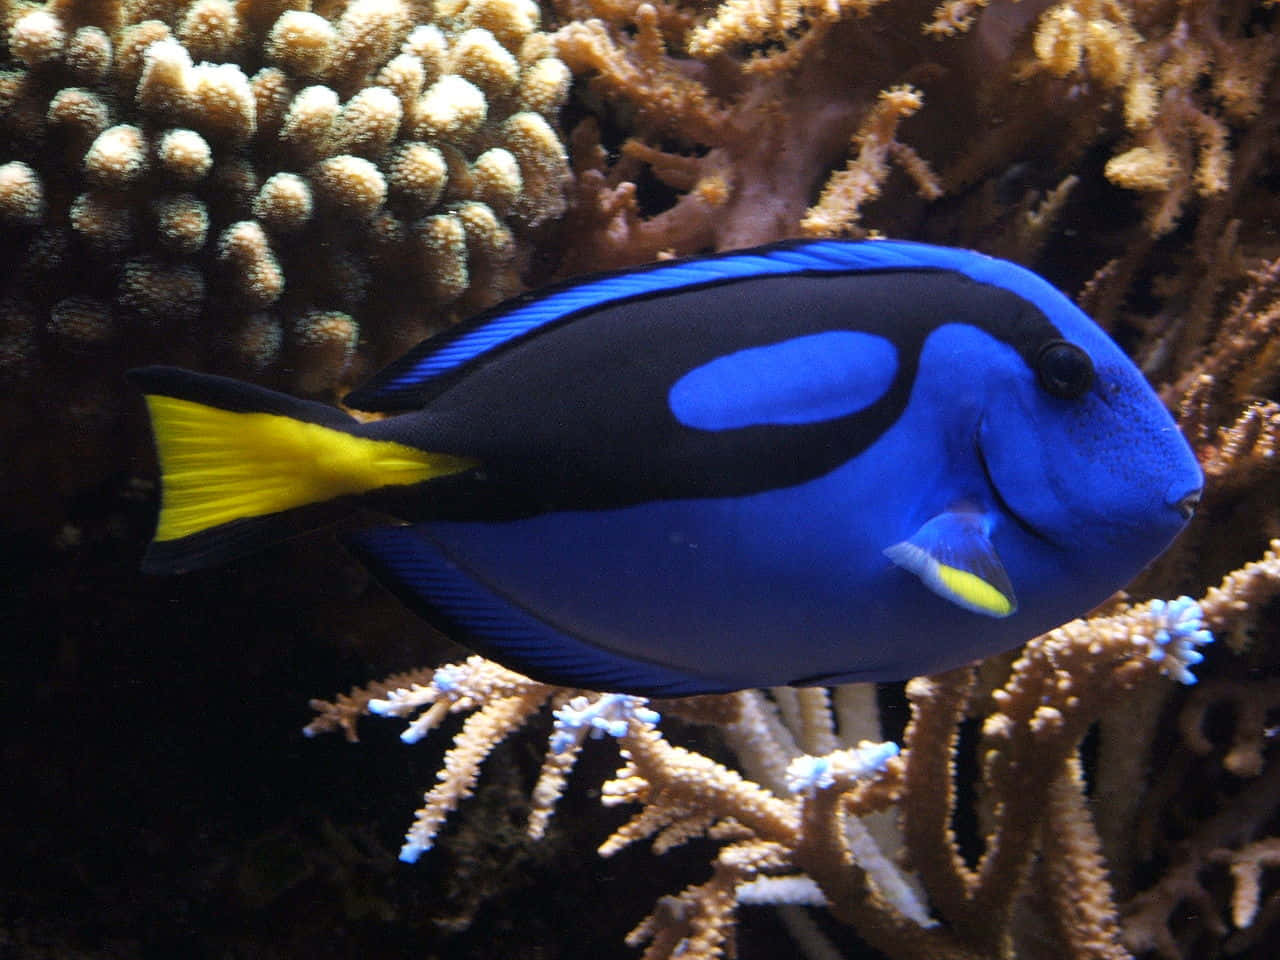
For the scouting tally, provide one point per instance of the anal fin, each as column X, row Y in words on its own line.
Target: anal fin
column 428, row 581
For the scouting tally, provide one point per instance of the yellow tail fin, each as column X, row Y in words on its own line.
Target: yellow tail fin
column 233, row 452
column 218, row 465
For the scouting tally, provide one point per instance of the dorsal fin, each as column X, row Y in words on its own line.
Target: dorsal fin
column 413, row 380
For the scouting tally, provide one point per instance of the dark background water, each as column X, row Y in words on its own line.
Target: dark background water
column 160, row 799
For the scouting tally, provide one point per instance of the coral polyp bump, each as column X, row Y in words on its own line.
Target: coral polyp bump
column 290, row 159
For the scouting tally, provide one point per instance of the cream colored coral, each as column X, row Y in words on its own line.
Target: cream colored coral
column 184, row 154
column 351, row 184
column 326, row 342
column 131, row 49
column 405, row 76
column 544, row 86
column 309, row 121
column 544, row 166
column 510, row 21
column 418, row 171
column 496, row 177
column 302, row 42
column 243, row 248
column 221, row 102
column 79, row 110
column 89, row 54
column 163, row 87
column 158, row 290
column 21, row 193
column 211, row 30
column 257, row 343
column 237, row 139
column 486, row 234
column 183, row 222
column 284, row 203
column 441, row 241
column 37, row 37
column 272, row 92
column 117, row 158
column 451, row 109
column 101, row 220
column 428, row 45
column 368, row 123
column 478, row 57
column 368, row 32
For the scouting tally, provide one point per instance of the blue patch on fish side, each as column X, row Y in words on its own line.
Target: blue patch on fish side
column 806, row 379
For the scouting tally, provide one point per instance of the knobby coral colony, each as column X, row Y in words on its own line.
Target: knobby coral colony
column 268, row 188
column 740, row 113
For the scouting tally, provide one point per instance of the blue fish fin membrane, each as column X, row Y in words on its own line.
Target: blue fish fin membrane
column 242, row 467
column 425, row 579
column 419, row 376
column 953, row 557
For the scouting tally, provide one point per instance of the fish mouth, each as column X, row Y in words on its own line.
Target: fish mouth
column 1001, row 502
column 1186, row 506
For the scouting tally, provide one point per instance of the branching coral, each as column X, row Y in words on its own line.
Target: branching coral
column 800, row 837
column 742, row 116
column 206, row 178
column 1179, row 135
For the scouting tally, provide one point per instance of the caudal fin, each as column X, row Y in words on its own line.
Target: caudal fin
column 242, row 466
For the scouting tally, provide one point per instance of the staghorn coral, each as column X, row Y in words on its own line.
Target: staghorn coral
column 743, row 139
column 1179, row 135
column 742, row 116
column 203, row 170
column 801, row 838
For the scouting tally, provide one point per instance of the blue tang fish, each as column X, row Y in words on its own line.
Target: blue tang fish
column 807, row 463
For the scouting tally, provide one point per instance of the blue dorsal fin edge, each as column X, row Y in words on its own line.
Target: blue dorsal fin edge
column 410, row 382
column 418, row 571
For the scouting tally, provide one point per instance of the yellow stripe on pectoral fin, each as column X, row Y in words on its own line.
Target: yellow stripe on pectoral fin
column 953, row 557
column 971, row 591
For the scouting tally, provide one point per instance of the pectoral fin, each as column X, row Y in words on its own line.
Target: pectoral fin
column 953, row 557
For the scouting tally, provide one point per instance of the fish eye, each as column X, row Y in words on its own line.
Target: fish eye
column 1064, row 369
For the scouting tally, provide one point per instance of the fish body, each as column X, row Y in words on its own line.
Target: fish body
column 813, row 462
